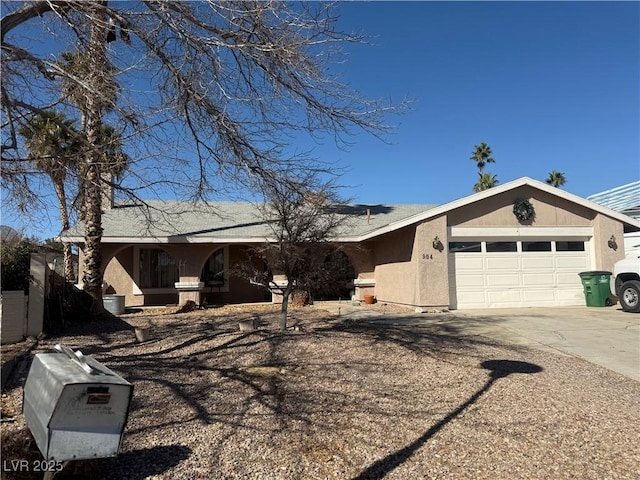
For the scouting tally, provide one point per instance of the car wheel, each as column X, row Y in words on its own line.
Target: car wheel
column 618, row 286
column 630, row 296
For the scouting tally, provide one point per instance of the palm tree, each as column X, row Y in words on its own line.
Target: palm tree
column 482, row 155
column 89, row 84
column 77, row 67
column 485, row 181
column 113, row 163
column 53, row 142
column 556, row 179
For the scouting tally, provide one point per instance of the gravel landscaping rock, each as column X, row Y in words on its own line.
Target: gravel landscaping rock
column 337, row 398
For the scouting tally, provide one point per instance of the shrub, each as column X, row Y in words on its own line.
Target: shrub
column 16, row 264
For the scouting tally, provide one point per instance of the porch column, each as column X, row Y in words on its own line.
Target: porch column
column 189, row 285
column 432, row 272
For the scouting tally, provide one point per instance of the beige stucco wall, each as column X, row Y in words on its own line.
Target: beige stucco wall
column 432, row 281
column 118, row 278
column 361, row 258
column 190, row 259
column 395, row 270
column 409, row 270
column 603, row 229
column 497, row 211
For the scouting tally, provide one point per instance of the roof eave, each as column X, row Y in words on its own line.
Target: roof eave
column 442, row 209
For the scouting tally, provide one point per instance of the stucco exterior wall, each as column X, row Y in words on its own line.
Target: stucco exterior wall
column 361, row 258
column 431, row 260
column 603, row 229
column 395, row 270
column 118, row 277
column 120, row 268
column 497, row 211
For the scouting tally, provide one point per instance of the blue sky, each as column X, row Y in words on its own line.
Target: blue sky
column 548, row 85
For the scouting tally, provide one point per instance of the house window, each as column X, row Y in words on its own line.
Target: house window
column 495, row 247
column 536, row 246
column 213, row 270
column 464, row 247
column 157, row 269
column 569, row 246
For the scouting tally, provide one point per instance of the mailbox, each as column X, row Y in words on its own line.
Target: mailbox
column 75, row 407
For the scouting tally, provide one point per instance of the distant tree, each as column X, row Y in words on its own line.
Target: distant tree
column 556, row 179
column 304, row 214
column 485, row 181
column 482, row 155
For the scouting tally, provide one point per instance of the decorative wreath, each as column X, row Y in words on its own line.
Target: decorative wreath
column 523, row 210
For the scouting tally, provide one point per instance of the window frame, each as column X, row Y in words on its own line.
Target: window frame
column 139, row 276
column 224, row 286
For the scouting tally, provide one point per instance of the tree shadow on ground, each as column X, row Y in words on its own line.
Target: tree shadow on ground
column 432, row 336
column 498, row 369
column 203, row 371
column 148, row 462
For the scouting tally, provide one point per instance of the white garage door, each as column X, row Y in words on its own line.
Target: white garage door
column 516, row 273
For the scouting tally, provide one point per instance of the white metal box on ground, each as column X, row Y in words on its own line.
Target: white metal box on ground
column 75, row 407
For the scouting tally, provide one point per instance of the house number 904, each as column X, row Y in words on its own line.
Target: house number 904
column 427, row 256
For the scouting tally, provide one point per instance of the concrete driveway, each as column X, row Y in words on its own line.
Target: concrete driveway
column 604, row 336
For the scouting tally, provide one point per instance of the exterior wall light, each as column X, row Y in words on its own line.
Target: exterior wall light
column 437, row 244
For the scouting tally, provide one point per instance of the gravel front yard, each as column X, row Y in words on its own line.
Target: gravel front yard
column 344, row 399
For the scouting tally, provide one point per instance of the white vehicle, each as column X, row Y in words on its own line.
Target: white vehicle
column 626, row 280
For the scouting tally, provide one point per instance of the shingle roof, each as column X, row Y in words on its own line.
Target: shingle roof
column 224, row 221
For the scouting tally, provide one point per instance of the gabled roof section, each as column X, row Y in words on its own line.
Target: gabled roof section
column 624, row 199
column 223, row 222
column 442, row 209
column 241, row 222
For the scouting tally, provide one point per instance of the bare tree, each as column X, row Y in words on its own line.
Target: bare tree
column 305, row 216
column 208, row 93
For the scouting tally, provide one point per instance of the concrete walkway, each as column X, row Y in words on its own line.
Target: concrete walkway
column 604, row 336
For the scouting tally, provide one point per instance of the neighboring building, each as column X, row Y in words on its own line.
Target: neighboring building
column 474, row 252
column 624, row 199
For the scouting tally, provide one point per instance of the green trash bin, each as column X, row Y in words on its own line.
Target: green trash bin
column 596, row 288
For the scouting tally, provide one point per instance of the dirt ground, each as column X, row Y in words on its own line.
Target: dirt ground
column 336, row 397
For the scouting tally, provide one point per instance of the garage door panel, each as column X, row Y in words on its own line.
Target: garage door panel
column 537, row 262
column 572, row 262
column 569, row 279
column 511, row 262
column 538, row 279
column 516, row 279
column 541, row 296
column 472, row 263
column 503, row 279
column 470, row 280
column 571, row 297
column 474, row 298
column 505, row 298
